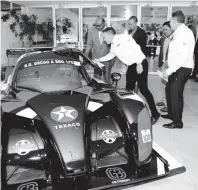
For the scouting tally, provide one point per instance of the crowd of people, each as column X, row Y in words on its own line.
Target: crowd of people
column 127, row 49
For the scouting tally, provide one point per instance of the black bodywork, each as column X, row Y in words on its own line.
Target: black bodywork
column 91, row 137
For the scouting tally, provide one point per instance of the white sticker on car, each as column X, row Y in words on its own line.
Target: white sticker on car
column 116, row 173
column 146, row 135
column 93, row 106
column 23, row 147
column 28, row 186
column 64, row 114
column 109, row 136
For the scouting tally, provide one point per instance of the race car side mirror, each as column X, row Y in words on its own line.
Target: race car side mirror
column 115, row 78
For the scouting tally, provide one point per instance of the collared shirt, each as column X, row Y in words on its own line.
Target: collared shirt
column 181, row 50
column 100, row 33
column 126, row 49
column 133, row 32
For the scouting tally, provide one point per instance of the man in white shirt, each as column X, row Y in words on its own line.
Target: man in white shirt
column 125, row 48
column 180, row 65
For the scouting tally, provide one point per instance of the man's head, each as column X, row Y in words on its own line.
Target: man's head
column 132, row 23
column 167, row 29
column 122, row 28
column 177, row 19
column 100, row 23
column 109, row 34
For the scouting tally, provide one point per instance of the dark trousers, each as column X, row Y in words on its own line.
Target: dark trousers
column 196, row 63
column 174, row 93
column 107, row 71
column 142, row 79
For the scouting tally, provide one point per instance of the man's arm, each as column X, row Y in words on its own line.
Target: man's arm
column 109, row 56
column 89, row 43
column 143, row 42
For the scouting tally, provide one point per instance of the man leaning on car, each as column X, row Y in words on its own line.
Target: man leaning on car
column 125, row 48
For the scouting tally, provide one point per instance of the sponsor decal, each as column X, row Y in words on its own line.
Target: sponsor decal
column 23, row 147
column 120, row 181
column 73, row 155
column 46, row 62
column 116, row 174
column 70, row 125
column 146, row 135
column 28, row 186
column 64, row 114
column 109, row 136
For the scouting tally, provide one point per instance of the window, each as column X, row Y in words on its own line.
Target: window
column 44, row 18
column 191, row 14
column 67, row 27
column 120, row 14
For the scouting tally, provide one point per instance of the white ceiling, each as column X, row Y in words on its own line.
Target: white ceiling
column 72, row 2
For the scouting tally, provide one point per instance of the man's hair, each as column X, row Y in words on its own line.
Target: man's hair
column 109, row 30
column 100, row 17
column 124, row 25
column 179, row 15
column 167, row 23
column 134, row 18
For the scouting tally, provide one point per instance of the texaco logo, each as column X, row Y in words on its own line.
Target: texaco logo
column 115, row 173
column 109, row 136
column 28, row 186
column 23, row 147
column 64, row 114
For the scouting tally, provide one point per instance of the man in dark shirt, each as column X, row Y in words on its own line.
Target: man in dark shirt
column 139, row 73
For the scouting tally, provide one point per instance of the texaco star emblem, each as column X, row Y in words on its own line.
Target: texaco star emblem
column 64, row 114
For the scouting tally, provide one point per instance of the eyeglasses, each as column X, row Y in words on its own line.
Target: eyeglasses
column 98, row 26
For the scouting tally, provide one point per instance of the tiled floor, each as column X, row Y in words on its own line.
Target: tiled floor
column 182, row 144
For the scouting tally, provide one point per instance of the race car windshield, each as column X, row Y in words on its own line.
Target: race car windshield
column 50, row 76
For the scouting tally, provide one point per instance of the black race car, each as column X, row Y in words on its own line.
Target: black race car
column 64, row 129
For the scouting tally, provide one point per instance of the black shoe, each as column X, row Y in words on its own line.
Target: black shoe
column 166, row 117
column 192, row 77
column 164, row 109
column 160, row 104
column 196, row 80
column 173, row 126
column 155, row 118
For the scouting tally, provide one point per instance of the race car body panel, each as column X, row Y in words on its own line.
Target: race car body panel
column 64, row 116
column 121, row 175
column 61, row 127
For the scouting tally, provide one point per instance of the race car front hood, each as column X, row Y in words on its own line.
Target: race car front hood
column 64, row 114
